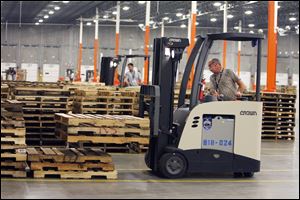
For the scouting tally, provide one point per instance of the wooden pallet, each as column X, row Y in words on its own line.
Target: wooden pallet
column 13, row 132
column 101, row 120
column 115, row 148
column 107, row 139
column 6, row 147
column 27, row 91
column 90, row 130
column 13, row 173
column 277, row 137
column 14, row 165
column 42, row 138
column 76, row 174
column 71, row 166
column 67, row 155
column 13, row 157
column 42, row 98
column 13, row 141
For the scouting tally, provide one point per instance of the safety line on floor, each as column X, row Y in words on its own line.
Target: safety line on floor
column 157, row 181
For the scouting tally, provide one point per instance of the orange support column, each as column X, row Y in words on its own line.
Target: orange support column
column 224, row 53
column 225, row 30
column 117, row 44
column 192, row 40
column 95, row 59
column 146, row 50
column 146, row 43
column 239, row 50
column 116, row 78
column 78, row 75
column 96, row 47
column 272, row 46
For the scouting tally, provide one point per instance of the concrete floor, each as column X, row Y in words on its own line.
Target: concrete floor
column 279, row 178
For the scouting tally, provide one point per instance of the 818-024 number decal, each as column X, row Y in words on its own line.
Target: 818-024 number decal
column 217, row 143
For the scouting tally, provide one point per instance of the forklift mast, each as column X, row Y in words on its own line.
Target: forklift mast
column 167, row 53
column 125, row 59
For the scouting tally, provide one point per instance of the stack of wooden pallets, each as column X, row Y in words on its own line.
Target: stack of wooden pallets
column 70, row 163
column 40, row 105
column 72, row 87
column 115, row 102
column 176, row 96
column 278, row 115
column 106, row 131
column 13, row 152
column 4, row 91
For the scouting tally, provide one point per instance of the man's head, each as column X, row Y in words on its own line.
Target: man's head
column 130, row 67
column 215, row 66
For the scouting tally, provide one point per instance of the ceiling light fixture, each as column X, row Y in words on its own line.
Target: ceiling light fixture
column 251, row 25
column 126, row 8
column 229, row 16
column 41, row 20
column 66, row 1
column 51, row 12
column 248, row 12
column 56, row 8
column 179, row 14
column 292, row 19
column 46, row 16
column 88, row 23
column 182, row 26
column 142, row 2
column 213, row 19
column 217, row 4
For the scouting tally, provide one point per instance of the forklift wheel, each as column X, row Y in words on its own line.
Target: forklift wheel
column 238, row 175
column 172, row 165
column 147, row 159
column 248, row 174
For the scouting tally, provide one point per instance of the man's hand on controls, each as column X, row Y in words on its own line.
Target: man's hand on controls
column 239, row 94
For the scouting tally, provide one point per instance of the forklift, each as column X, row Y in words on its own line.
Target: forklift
column 124, row 64
column 213, row 136
column 109, row 65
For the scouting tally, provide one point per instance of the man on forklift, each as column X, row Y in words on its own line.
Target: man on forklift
column 211, row 136
column 224, row 82
column 132, row 77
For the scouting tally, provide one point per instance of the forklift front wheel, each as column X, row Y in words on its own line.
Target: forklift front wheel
column 248, row 174
column 172, row 165
column 147, row 159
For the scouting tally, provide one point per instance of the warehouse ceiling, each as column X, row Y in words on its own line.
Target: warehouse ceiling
column 68, row 12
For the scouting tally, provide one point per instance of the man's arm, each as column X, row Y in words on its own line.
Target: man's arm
column 212, row 89
column 242, row 86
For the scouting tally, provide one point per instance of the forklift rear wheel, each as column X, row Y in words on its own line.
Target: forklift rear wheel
column 172, row 165
column 147, row 159
column 248, row 174
column 238, row 175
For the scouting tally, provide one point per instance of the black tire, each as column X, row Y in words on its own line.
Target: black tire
column 248, row 174
column 238, row 175
column 147, row 159
column 172, row 165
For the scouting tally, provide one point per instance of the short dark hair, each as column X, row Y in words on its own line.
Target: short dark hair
column 215, row 60
column 130, row 64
